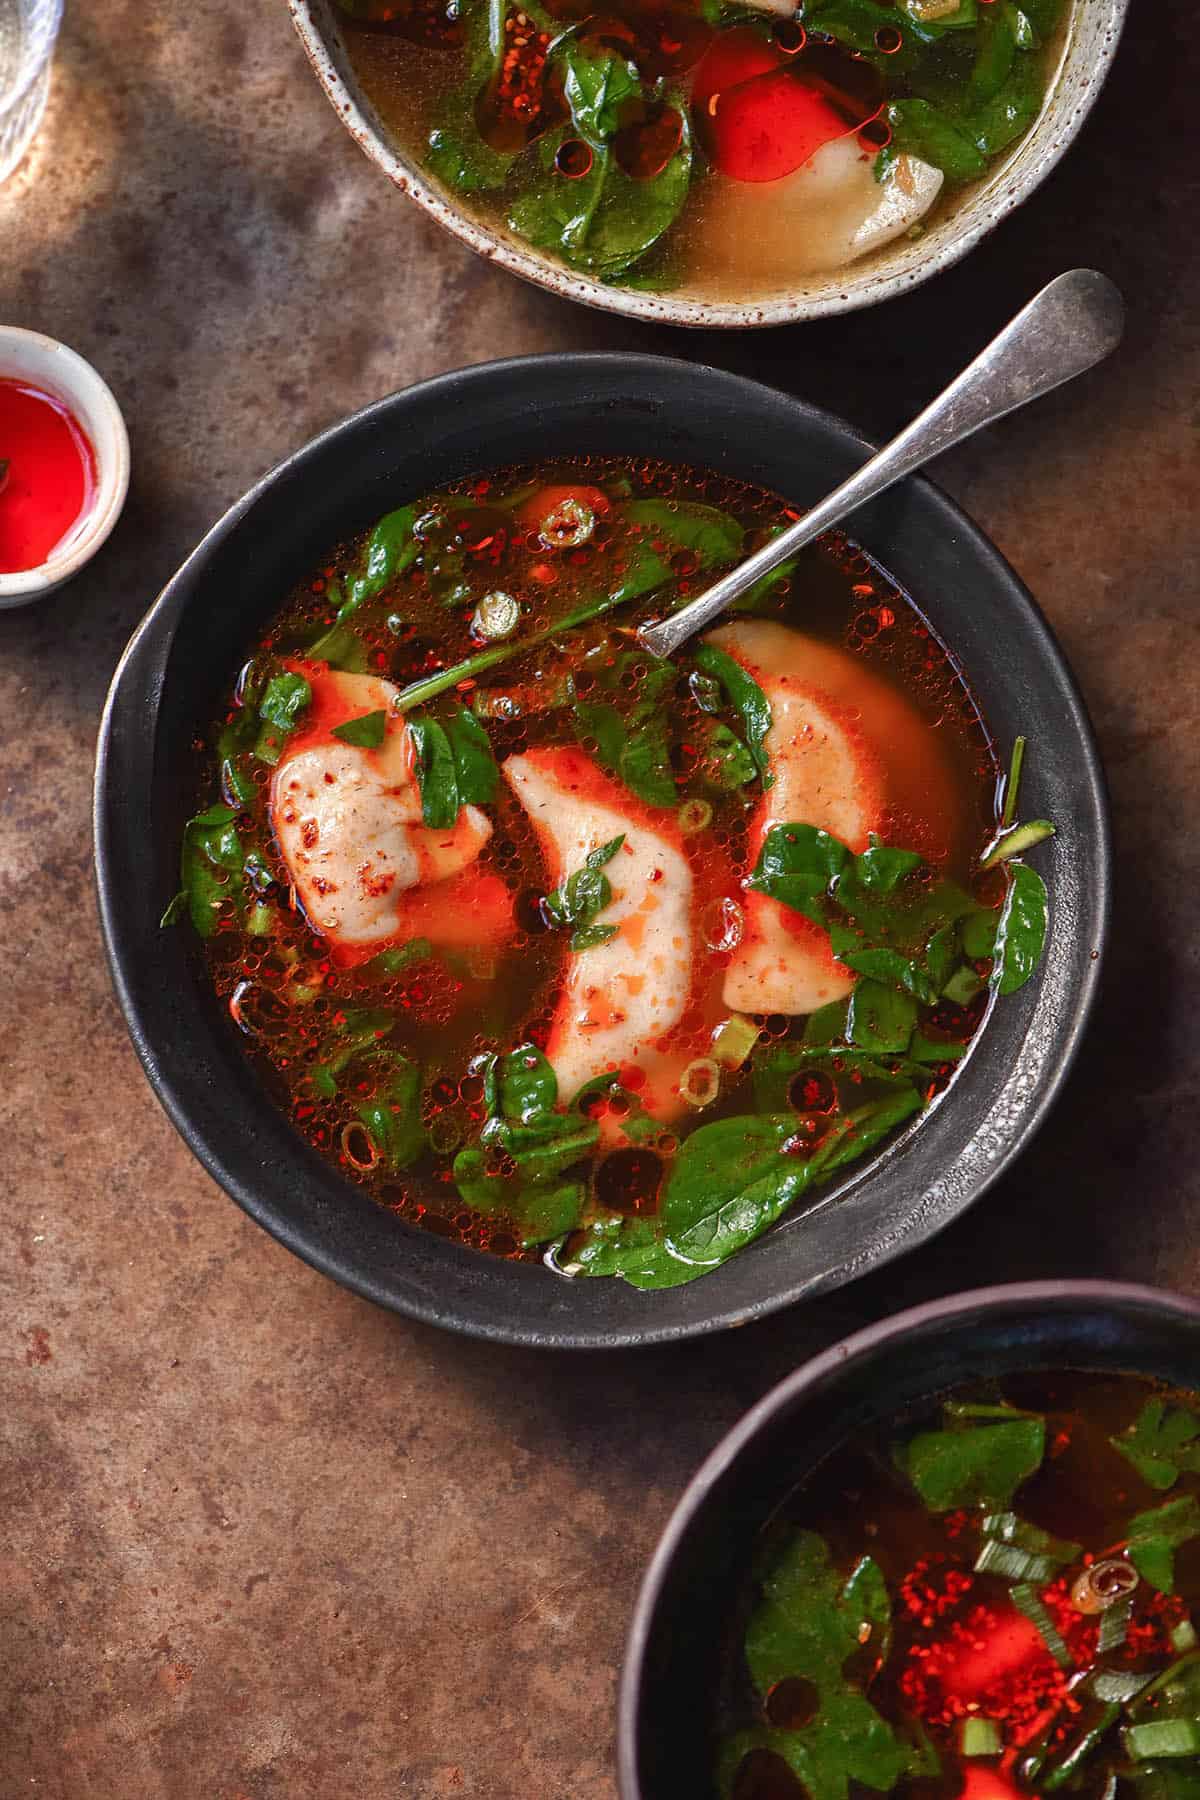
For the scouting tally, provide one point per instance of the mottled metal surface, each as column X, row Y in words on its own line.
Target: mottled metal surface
column 261, row 1542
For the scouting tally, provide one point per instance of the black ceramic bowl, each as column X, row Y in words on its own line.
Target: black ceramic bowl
column 672, row 1666
column 182, row 657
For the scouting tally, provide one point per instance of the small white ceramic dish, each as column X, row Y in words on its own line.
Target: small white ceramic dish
column 45, row 363
column 1090, row 42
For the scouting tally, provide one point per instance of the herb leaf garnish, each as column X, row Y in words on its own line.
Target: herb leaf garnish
column 809, row 1623
column 732, row 1180
column 747, row 699
column 284, row 699
column 1155, row 1536
column 211, row 869
column 541, row 1145
column 974, row 1460
column 366, row 731
column 585, row 893
column 1161, row 1443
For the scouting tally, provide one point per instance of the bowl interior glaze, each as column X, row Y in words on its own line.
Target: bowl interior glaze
column 672, row 1663
column 1090, row 42
column 182, row 660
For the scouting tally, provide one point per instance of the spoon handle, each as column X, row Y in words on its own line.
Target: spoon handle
column 1072, row 324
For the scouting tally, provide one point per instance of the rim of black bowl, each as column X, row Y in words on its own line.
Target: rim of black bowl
column 525, row 409
column 825, row 1372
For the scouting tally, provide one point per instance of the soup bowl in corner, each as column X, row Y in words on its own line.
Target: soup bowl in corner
column 183, row 658
column 679, row 1640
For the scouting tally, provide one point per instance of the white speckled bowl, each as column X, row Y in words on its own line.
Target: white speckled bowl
column 60, row 371
column 1091, row 41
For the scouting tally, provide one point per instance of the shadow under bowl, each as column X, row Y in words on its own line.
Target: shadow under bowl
column 672, row 1666
column 182, row 659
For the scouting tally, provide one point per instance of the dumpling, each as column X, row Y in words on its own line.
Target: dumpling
column 824, row 215
column 848, row 755
column 621, row 999
column 348, row 820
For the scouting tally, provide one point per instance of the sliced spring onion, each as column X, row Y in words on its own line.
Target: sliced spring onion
column 1116, row 1686
column 570, row 523
column 1065, row 1771
column 1010, row 1528
column 1162, row 1737
column 962, row 986
column 260, row 920
column 1114, row 1623
column 925, row 12
column 979, row 1737
column 1012, row 843
column 1012, row 786
column 734, row 1039
column 1183, row 1637
column 1027, row 1600
column 694, row 815
column 701, row 1082
column 1013, row 1563
column 497, row 616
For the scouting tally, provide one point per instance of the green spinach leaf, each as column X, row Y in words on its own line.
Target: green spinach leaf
column 1161, row 1443
column 605, row 220
column 1021, row 932
column 1155, row 1536
column 746, row 698
column 284, row 699
column 435, row 773
column 808, row 1624
column 974, row 1461
column 475, row 771
column 367, row 731
column 393, row 1116
column 211, row 869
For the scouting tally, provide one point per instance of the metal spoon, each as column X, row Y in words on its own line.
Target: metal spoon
column 1071, row 325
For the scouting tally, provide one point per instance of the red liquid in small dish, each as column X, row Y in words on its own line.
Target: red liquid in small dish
column 51, row 479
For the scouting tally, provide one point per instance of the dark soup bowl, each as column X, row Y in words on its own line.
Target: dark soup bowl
column 697, row 1595
column 184, row 656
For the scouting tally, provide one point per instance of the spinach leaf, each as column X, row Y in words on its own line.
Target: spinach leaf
column 361, row 1028
column 435, row 773
column 923, row 130
column 974, row 1463
column 367, row 731
column 526, row 1085
column 1021, row 933
column 604, row 221
column 589, row 936
column 799, row 866
column 634, row 745
column 727, row 762
column 809, row 1624
column 387, row 963
column 747, row 699
column 475, row 771
column 731, row 1180
column 584, row 893
column 881, row 1019
column 1161, row 1443
column 457, row 154
column 284, row 699
column 393, row 1116
column 712, row 537
column 390, row 549
column 542, row 1145
column 1155, row 1536
column 776, row 1066
column 597, row 83
column 211, row 869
